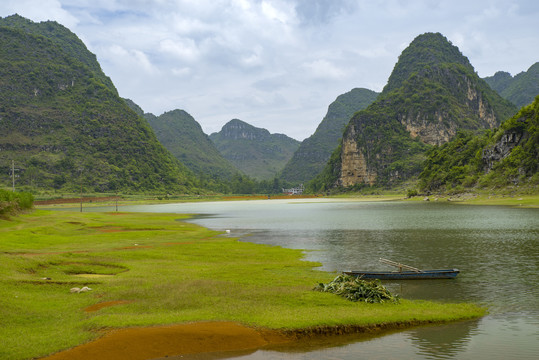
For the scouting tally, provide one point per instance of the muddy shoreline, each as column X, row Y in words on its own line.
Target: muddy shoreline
column 205, row 337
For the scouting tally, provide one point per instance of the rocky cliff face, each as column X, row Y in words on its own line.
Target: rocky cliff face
column 431, row 94
column 314, row 152
column 502, row 148
column 509, row 156
column 440, row 125
column 354, row 165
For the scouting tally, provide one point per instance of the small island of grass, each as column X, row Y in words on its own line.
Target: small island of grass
column 144, row 270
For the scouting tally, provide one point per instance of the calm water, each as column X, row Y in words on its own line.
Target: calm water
column 496, row 249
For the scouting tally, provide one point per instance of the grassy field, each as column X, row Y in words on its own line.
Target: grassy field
column 164, row 271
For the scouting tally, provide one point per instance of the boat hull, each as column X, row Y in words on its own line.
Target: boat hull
column 405, row 275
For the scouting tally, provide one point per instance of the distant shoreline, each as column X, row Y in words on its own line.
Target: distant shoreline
column 519, row 200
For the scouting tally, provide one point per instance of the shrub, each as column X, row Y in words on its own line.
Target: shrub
column 11, row 202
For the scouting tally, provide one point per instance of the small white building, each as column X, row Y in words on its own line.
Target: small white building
column 298, row 190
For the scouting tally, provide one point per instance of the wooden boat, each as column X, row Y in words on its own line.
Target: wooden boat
column 405, row 272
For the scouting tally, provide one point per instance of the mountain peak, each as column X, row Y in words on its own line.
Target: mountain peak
column 64, row 38
column 237, row 129
column 253, row 150
column 429, row 49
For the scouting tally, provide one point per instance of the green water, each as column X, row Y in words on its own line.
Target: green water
column 495, row 248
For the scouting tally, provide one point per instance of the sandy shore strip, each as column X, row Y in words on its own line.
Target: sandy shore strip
column 161, row 341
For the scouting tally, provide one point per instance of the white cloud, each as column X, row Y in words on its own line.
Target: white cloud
column 323, row 69
column 130, row 60
column 182, row 49
column 181, row 72
column 273, row 13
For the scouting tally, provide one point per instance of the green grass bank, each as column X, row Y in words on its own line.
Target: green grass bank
column 162, row 270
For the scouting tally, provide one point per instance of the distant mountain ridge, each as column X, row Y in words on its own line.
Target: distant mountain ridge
column 314, row 152
column 520, row 89
column 253, row 150
column 183, row 136
column 432, row 92
column 63, row 123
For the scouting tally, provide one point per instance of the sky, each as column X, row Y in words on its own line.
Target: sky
column 277, row 64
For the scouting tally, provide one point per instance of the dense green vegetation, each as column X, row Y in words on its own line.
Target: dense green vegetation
column 163, row 271
column 62, row 37
column 65, row 126
column 183, row 137
column 253, row 150
column 315, row 151
column 520, row 89
column 13, row 202
column 432, row 92
column 455, row 164
column 507, row 156
column 426, row 50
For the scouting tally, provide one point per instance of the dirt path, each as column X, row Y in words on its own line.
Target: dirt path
column 162, row 341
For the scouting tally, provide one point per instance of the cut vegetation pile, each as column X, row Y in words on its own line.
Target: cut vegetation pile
column 354, row 289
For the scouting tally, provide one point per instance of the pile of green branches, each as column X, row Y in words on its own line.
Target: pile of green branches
column 356, row 289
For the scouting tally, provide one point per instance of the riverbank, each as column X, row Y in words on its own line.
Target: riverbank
column 505, row 198
column 523, row 200
column 146, row 270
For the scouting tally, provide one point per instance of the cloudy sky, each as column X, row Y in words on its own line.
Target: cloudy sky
column 277, row 64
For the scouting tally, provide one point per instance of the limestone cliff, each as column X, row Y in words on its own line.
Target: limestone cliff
column 507, row 156
column 432, row 93
column 503, row 148
column 314, row 152
column 354, row 168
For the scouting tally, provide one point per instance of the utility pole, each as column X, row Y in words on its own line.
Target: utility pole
column 13, row 173
column 80, row 180
column 81, row 196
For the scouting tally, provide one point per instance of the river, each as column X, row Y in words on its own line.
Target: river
column 496, row 249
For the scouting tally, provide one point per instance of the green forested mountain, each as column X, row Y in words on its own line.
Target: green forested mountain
column 432, row 93
column 62, row 37
column 183, row 137
column 63, row 123
column 520, row 89
column 507, row 156
column 314, row 152
column 253, row 150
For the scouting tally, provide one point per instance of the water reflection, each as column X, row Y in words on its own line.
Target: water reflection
column 443, row 342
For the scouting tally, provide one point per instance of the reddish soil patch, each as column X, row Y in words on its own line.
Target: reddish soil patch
column 105, row 304
column 155, row 342
column 74, row 200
